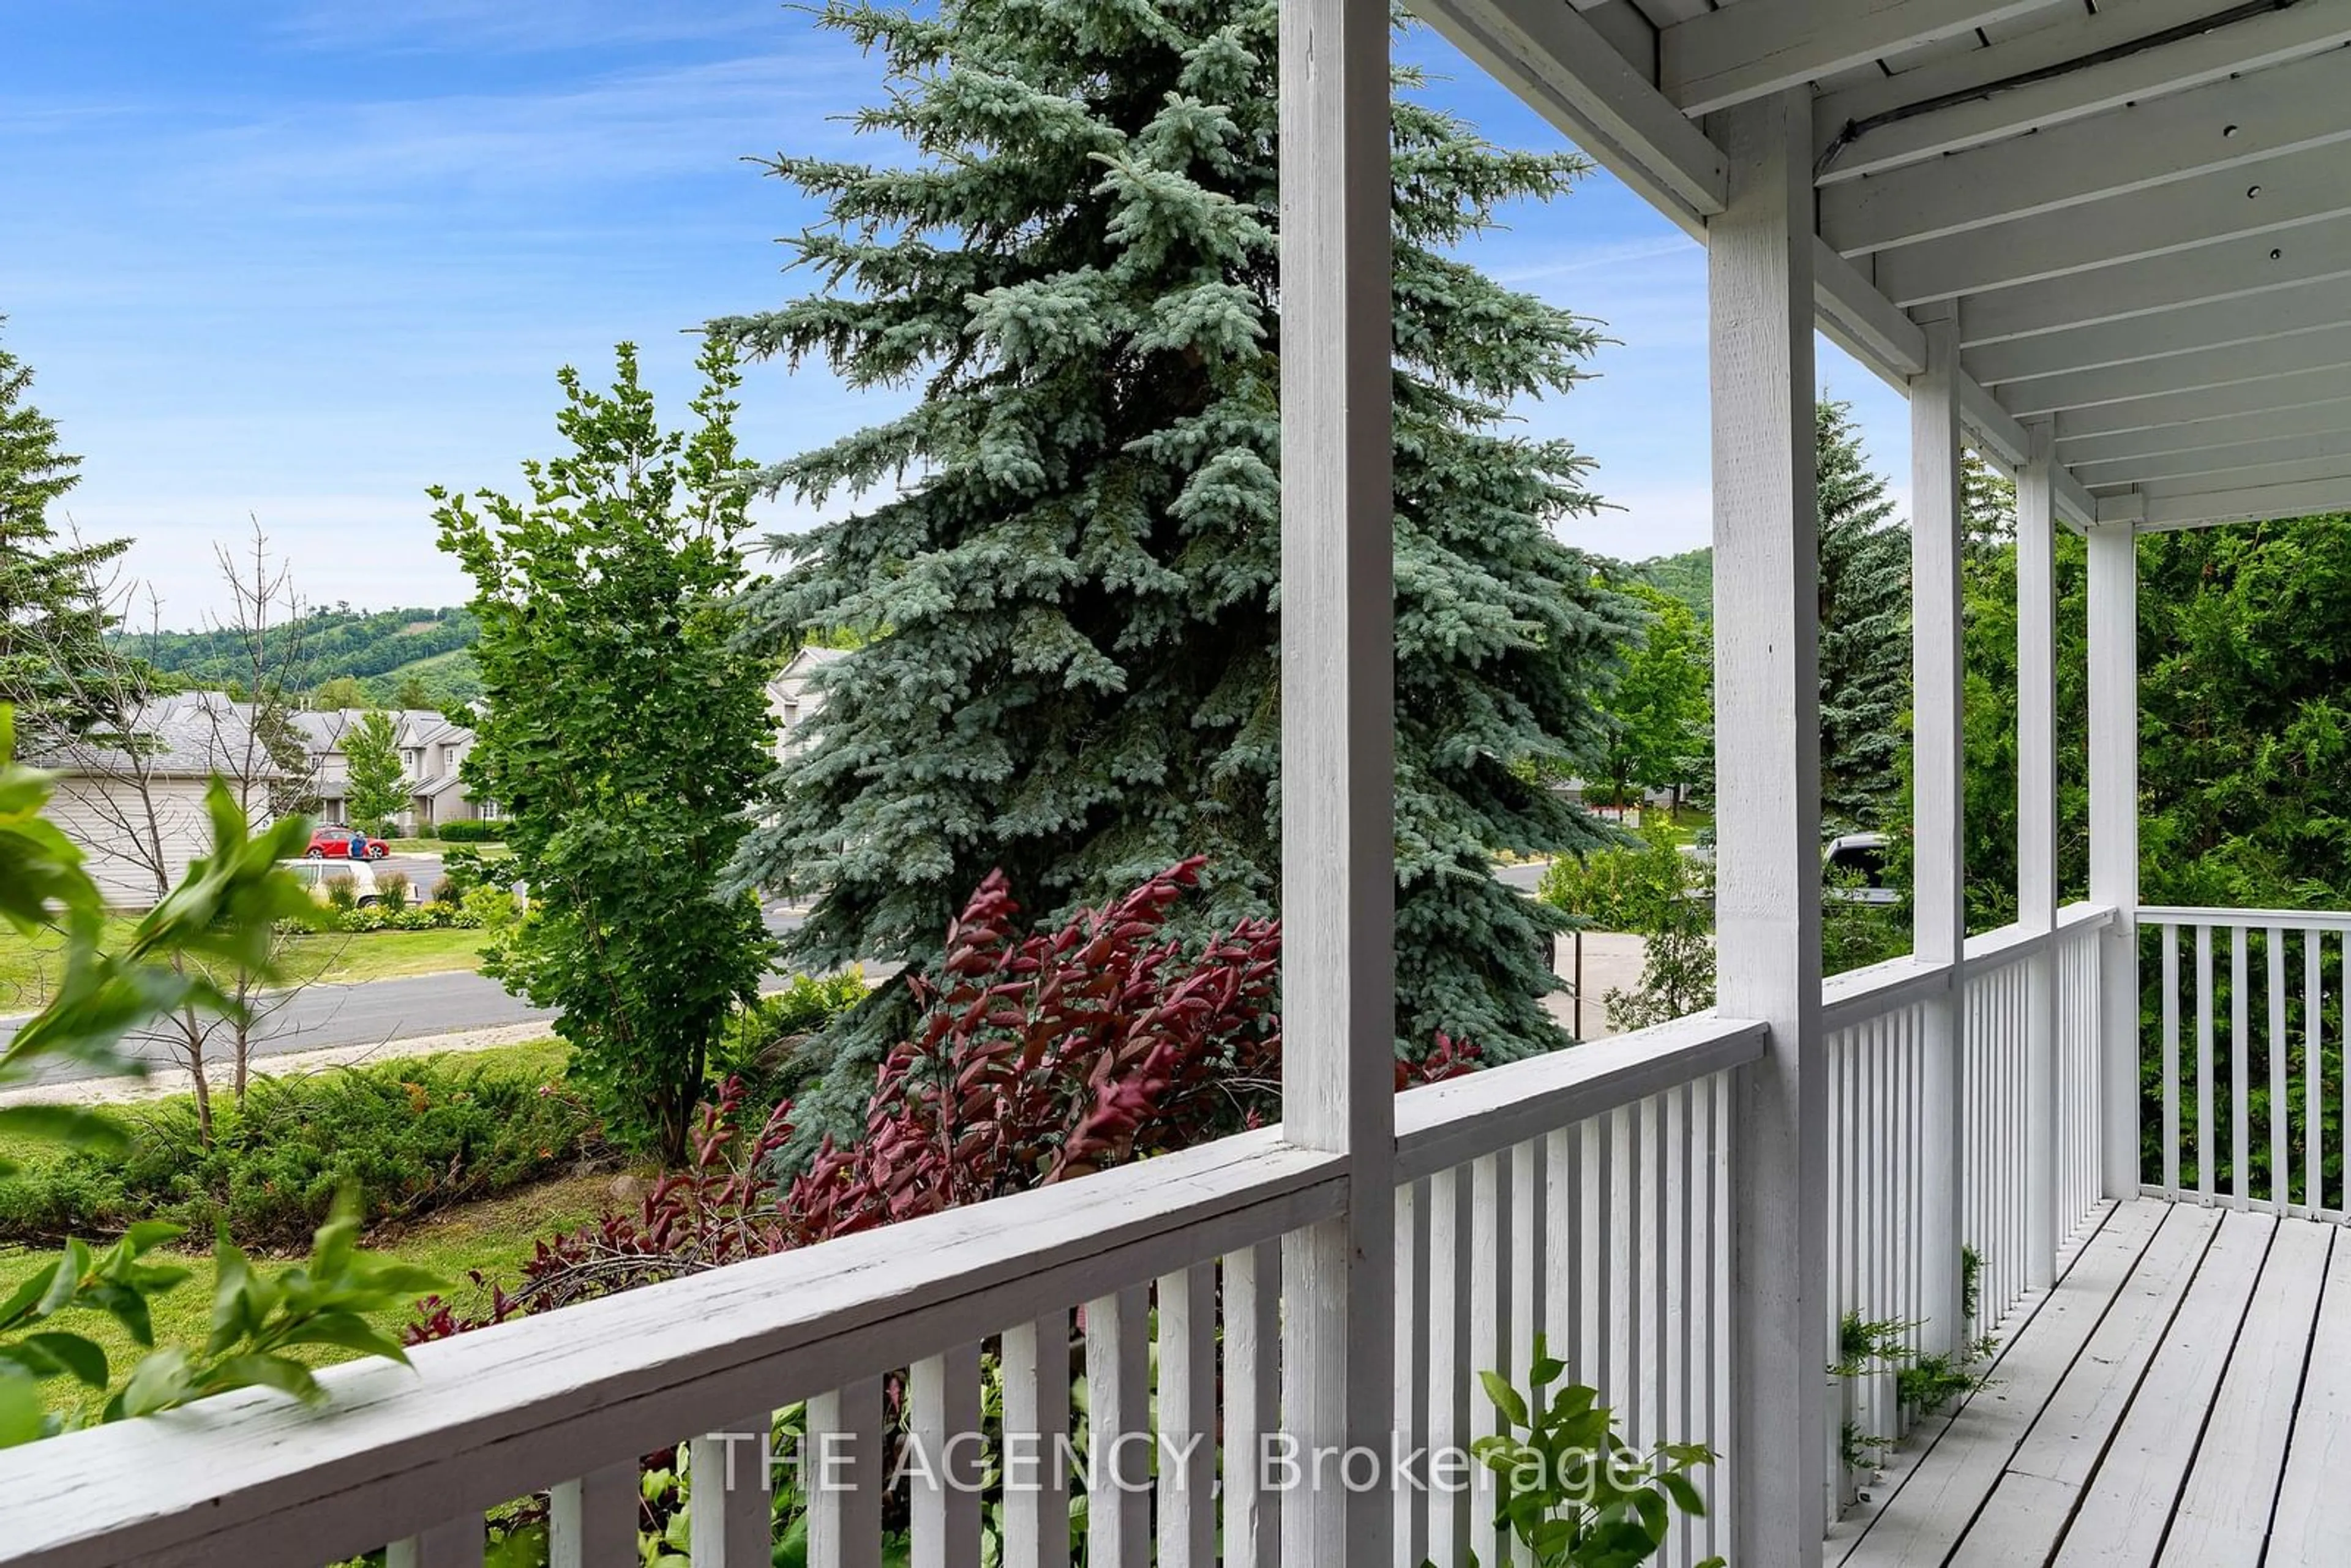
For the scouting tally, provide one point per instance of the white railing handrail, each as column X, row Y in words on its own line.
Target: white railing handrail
column 1441, row 1126
column 1858, row 995
column 2305, row 919
column 486, row 1416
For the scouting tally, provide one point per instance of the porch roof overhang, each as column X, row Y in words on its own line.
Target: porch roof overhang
column 2138, row 213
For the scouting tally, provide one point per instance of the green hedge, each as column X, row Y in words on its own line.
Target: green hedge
column 472, row 832
column 416, row 1135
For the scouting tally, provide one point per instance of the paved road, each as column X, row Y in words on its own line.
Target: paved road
column 368, row 1013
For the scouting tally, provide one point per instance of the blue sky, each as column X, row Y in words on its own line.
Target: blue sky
column 297, row 260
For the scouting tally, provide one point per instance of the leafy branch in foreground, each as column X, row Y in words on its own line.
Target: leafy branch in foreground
column 224, row 909
column 1569, row 1489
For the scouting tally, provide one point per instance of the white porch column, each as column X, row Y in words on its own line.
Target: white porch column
column 1768, row 822
column 1938, row 901
column 2036, row 838
column 2113, row 840
column 1338, row 889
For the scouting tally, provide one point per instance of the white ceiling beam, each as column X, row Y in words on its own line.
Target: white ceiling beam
column 2251, row 44
column 2231, row 124
column 2237, row 460
column 2298, row 471
column 2311, row 418
column 2000, row 436
column 2284, row 194
column 1864, row 322
column 2309, row 498
column 2249, row 318
column 2214, row 402
column 2232, row 269
column 1720, row 57
column 2121, row 508
column 1547, row 55
column 2180, row 372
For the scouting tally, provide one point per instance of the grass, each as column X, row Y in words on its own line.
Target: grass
column 495, row 1236
column 338, row 958
column 347, row 959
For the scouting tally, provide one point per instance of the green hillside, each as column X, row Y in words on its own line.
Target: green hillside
column 380, row 649
column 1688, row 576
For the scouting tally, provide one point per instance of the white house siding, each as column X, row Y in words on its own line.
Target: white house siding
column 90, row 812
column 793, row 702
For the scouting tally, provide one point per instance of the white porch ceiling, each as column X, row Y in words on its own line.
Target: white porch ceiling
column 2140, row 210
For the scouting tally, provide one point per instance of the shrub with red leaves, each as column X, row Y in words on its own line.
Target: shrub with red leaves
column 1039, row 1058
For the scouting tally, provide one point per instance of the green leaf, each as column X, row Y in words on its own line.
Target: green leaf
column 159, row 1382
column 29, row 1291
column 1505, row 1398
column 76, row 1355
column 1685, row 1496
column 128, row 1307
column 22, row 1418
column 264, row 1371
column 348, row 1330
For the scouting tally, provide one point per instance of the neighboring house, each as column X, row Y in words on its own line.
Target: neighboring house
column 430, row 747
column 138, row 812
column 795, row 700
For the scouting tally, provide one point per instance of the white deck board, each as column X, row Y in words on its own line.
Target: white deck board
column 2311, row 1526
column 2125, row 1509
column 1928, row 1505
column 2224, row 1510
column 2183, row 1395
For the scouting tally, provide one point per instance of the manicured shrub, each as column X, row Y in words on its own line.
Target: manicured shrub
column 414, row 1135
column 462, row 832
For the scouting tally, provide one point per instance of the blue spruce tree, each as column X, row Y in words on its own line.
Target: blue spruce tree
column 1060, row 582
column 1865, row 564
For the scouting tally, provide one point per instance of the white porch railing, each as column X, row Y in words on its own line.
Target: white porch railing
column 1882, row 1093
column 2249, row 1039
column 1584, row 1195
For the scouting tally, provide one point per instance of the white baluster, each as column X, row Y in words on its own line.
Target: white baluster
column 734, row 1521
column 844, row 1474
column 457, row 1544
column 592, row 1522
column 943, row 1401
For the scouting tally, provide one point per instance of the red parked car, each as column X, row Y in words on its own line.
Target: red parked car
column 345, row 844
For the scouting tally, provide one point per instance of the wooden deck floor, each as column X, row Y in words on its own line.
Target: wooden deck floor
column 2182, row 1397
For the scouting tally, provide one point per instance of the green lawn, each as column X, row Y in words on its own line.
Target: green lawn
column 1683, row 827
column 347, row 958
column 332, row 956
column 496, row 1236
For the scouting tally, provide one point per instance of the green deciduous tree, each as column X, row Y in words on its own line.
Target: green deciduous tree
column 1070, row 670
column 379, row 783
column 626, row 732
column 49, row 615
column 339, row 692
column 1656, row 724
column 1864, row 608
